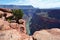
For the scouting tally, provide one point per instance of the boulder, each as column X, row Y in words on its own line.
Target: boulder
column 50, row 34
column 22, row 28
column 22, row 24
column 21, row 21
column 14, row 25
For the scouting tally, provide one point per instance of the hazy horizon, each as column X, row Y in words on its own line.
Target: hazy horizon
column 36, row 3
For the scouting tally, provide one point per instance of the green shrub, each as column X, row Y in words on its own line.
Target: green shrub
column 18, row 14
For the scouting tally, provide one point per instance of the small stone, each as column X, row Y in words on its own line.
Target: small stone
column 14, row 25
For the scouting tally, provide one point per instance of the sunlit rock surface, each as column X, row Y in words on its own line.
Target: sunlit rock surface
column 49, row 34
column 10, row 35
column 12, row 30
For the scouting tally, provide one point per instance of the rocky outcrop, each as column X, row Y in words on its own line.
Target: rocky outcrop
column 12, row 30
column 5, row 10
column 49, row 34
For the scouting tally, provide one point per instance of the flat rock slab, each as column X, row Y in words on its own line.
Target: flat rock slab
column 51, row 34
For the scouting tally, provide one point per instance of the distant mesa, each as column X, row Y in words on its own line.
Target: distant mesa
column 17, row 6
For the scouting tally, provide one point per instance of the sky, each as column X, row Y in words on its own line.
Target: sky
column 35, row 3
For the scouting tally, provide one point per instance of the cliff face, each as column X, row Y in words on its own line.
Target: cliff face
column 10, row 30
column 45, row 19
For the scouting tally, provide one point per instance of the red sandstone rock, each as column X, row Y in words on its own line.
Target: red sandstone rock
column 21, row 21
column 3, row 18
column 30, row 38
column 14, row 25
column 1, row 12
column 47, row 34
column 5, row 10
column 22, row 24
column 9, row 15
column 54, row 31
column 22, row 28
column 26, row 37
column 10, row 35
column 4, row 25
column 12, row 31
